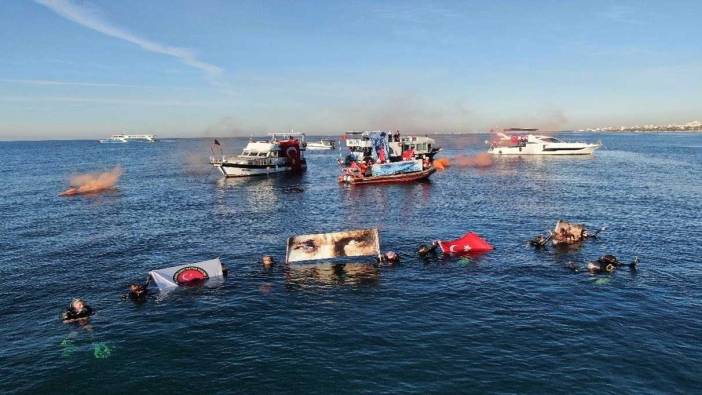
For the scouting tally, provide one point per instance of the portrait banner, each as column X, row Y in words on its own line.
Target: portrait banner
column 350, row 243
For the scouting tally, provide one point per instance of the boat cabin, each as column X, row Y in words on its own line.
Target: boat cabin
column 361, row 144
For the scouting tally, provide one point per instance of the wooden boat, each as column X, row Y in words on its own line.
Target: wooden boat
column 356, row 178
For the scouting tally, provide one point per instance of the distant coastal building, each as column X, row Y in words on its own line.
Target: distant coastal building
column 689, row 127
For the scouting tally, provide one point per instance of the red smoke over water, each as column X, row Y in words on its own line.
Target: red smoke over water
column 481, row 160
column 441, row 163
column 93, row 182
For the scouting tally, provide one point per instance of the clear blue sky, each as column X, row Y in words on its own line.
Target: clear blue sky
column 87, row 69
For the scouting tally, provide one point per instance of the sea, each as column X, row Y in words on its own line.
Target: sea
column 515, row 320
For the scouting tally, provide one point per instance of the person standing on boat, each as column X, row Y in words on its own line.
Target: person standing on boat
column 363, row 167
column 381, row 155
column 354, row 166
column 408, row 154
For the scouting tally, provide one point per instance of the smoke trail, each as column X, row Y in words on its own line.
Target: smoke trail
column 441, row 163
column 196, row 163
column 93, row 182
column 481, row 160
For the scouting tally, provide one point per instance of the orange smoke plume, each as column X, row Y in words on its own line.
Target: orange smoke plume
column 481, row 160
column 93, row 182
column 441, row 163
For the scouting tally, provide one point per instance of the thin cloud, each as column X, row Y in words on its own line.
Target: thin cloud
column 623, row 14
column 92, row 100
column 69, row 83
column 415, row 13
column 91, row 18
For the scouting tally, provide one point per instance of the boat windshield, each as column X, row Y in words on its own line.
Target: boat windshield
column 550, row 140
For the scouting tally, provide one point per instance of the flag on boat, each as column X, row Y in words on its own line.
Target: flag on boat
column 379, row 141
column 359, row 242
column 187, row 274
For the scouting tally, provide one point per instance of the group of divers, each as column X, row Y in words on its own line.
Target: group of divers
column 565, row 235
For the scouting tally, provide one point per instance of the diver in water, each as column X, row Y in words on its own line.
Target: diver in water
column 587, row 234
column 76, row 311
column 540, row 240
column 267, row 262
column 390, row 257
column 609, row 263
column 425, row 250
column 138, row 292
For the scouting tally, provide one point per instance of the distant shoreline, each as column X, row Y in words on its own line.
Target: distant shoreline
column 642, row 131
column 314, row 136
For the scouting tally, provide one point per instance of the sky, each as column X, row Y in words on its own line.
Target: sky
column 88, row 69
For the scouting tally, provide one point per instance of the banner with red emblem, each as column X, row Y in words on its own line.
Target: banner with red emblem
column 188, row 274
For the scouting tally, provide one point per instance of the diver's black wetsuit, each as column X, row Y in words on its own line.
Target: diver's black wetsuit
column 138, row 297
column 71, row 314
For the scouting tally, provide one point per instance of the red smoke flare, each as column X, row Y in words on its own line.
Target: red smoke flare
column 481, row 160
column 93, row 182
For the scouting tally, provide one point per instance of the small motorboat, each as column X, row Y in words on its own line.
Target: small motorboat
column 321, row 145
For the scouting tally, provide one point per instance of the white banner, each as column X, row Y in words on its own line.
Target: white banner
column 186, row 274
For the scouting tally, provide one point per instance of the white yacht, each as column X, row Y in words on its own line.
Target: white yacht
column 125, row 138
column 532, row 144
column 282, row 152
column 324, row 144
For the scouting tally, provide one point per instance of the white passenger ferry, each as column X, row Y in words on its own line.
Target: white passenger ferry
column 282, row 152
column 532, row 144
column 125, row 138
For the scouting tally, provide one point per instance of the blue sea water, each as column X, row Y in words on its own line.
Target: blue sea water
column 512, row 321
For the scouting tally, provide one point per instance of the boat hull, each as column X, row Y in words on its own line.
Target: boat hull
column 533, row 149
column 108, row 141
column 230, row 170
column 392, row 179
column 311, row 147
